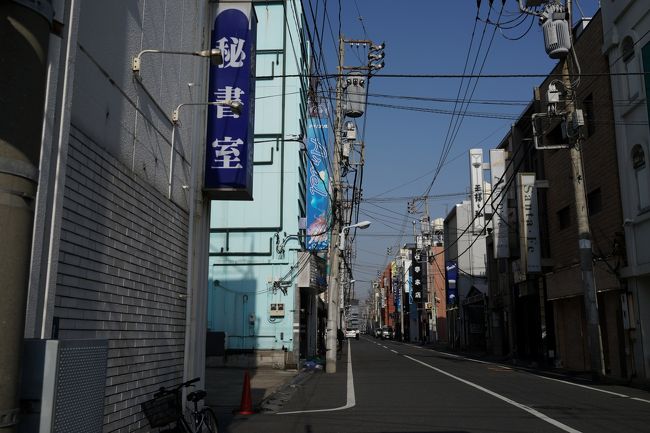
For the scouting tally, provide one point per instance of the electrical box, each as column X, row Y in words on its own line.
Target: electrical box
column 350, row 130
column 276, row 310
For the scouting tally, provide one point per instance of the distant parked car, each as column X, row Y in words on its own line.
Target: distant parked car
column 387, row 333
column 352, row 333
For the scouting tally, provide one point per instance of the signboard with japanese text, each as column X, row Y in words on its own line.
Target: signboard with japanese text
column 528, row 223
column 477, row 193
column 397, row 288
column 499, row 203
column 418, row 278
column 451, row 276
column 229, row 147
column 318, row 184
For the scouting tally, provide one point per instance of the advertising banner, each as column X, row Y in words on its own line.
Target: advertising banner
column 451, row 276
column 529, row 223
column 499, row 203
column 229, row 147
column 318, row 184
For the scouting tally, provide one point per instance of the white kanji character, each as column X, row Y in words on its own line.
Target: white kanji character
column 228, row 93
column 232, row 51
column 226, row 152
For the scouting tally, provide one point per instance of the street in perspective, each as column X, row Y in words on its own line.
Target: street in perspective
column 324, row 216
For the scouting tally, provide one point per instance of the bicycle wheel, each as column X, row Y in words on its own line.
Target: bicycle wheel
column 209, row 421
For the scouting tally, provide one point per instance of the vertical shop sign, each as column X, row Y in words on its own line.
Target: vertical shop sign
column 477, row 193
column 499, row 203
column 229, row 147
column 451, row 276
column 529, row 223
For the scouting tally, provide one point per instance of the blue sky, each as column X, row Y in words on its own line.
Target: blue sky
column 403, row 147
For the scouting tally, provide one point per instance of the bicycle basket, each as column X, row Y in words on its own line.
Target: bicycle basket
column 161, row 411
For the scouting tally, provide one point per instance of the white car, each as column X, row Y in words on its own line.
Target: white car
column 352, row 333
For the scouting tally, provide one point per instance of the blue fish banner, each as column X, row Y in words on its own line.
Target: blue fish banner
column 318, row 184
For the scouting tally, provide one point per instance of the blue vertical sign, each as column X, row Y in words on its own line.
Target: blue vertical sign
column 451, row 275
column 229, row 147
column 317, row 184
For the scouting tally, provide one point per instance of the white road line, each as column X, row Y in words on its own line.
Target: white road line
column 640, row 399
column 584, row 386
column 384, row 346
column 530, row 410
column 394, row 351
column 351, row 399
column 547, row 378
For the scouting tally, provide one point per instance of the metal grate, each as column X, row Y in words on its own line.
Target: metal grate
column 81, row 383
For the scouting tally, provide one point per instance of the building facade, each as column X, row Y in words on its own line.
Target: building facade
column 114, row 234
column 626, row 44
column 256, row 246
column 466, row 314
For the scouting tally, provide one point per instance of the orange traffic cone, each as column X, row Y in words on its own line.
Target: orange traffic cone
column 246, row 406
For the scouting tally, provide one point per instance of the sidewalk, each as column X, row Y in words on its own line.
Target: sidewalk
column 224, row 386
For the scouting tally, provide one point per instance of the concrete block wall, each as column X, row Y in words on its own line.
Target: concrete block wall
column 122, row 276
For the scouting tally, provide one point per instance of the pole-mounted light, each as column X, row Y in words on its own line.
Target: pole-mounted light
column 345, row 229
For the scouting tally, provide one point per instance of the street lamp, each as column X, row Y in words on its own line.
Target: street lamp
column 214, row 54
column 235, row 107
column 345, row 229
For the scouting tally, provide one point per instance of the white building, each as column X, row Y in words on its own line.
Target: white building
column 467, row 249
column 626, row 27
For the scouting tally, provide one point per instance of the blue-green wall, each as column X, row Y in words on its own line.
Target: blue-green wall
column 244, row 261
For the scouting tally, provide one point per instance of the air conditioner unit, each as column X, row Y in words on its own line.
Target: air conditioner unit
column 276, row 310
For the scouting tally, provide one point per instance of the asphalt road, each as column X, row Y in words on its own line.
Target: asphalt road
column 386, row 386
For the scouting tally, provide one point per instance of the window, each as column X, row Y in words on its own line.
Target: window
column 564, row 217
column 641, row 175
column 594, row 202
column 628, row 55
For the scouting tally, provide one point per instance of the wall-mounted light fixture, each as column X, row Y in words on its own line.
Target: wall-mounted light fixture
column 214, row 54
column 234, row 106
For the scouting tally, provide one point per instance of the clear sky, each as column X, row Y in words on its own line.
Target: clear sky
column 404, row 146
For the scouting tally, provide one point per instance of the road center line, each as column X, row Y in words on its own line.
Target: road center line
column 394, row 351
column 350, row 400
column 530, row 410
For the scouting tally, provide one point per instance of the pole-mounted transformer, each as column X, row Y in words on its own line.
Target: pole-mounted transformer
column 356, row 92
column 557, row 37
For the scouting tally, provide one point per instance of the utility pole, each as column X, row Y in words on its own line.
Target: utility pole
column 24, row 32
column 584, row 232
column 334, row 258
column 594, row 341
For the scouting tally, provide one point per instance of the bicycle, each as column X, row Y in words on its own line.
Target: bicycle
column 166, row 408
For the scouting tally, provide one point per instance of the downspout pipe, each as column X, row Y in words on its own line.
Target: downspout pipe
column 25, row 33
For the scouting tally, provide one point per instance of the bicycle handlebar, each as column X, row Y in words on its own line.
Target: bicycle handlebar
column 162, row 390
